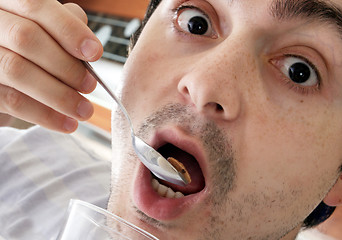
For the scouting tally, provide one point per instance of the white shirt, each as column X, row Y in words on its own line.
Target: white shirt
column 40, row 171
column 313, row 234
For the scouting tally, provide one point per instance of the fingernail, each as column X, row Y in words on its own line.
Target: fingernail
column 90, row 48
column 70, row 124
column 88, row 84
column 85, row 109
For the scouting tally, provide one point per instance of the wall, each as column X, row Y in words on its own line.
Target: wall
column 125, row 8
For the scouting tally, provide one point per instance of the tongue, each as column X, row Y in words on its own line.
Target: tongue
column 190, row 163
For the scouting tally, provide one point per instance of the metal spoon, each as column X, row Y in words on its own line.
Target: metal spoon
column 153, row 160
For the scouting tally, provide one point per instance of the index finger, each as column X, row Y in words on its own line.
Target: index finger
column 68, row 30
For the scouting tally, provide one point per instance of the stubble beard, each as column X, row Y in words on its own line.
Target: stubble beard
column 222, row 168
column 216, row 146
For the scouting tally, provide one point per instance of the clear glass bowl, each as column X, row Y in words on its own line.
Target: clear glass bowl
column 85, row 221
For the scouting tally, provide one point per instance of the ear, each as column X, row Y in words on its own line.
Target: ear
column 334, row 196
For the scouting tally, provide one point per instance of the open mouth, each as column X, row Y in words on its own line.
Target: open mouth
column 170, row 190
column 165, row 201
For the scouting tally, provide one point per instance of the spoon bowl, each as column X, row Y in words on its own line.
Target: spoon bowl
column 151, row 158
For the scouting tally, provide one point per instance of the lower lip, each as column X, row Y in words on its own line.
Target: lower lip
column 157, row 207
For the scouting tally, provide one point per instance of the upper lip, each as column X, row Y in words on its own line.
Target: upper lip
column 178, row 137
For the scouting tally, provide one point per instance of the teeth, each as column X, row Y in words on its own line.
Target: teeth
column 179, row 195
column 164, row 191
column 155, row 184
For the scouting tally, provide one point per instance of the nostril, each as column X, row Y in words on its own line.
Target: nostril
column 219, row 108
column 215, row 106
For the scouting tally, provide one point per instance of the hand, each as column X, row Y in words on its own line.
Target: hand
column 41, row 42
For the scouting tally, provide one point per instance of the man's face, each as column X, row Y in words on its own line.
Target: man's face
column 249, row 97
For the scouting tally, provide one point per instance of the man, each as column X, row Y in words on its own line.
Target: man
column 246, row 94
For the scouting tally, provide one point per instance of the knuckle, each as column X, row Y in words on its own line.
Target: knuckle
column 28, row 7
column 47, row 117
column 67, row 29
column 76, row 10
column 14, row 100
column 12, row 65
column 22, row 34
column 66, row 99
column 72, row 70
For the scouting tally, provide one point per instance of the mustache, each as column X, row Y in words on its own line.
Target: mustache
column 184, row 117
column 216, row 143
column 171, row 113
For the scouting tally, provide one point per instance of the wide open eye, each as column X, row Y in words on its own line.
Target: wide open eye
column 194, row 21
column 299, row 71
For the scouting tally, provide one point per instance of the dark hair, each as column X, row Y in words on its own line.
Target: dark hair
column 150, row 9
column 322, row 211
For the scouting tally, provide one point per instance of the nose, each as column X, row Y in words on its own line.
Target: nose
column 211, row 86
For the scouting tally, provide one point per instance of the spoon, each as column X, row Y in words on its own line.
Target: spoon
column 153, row 160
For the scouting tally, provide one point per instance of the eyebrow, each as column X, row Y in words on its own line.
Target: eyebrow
column 316, row 10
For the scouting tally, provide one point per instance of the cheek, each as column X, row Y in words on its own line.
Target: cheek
column 289, row 147
column 150, row 78
column 144, row 68
column 287, row 163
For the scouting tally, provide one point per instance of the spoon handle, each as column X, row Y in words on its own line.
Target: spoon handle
column 109, row 91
